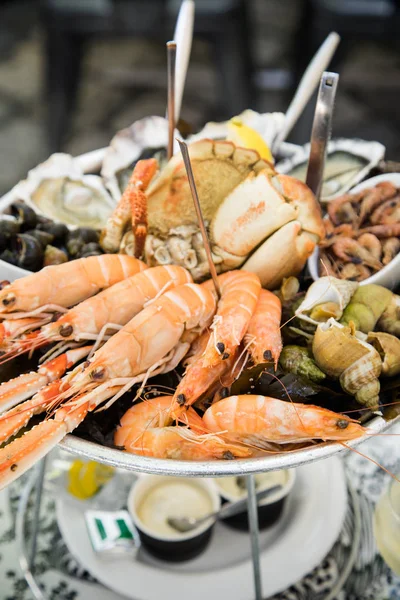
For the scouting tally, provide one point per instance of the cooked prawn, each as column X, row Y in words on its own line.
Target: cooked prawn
column 239, row 295
column 94, row 318
column 143, row 431
column 263, row 334
column 153, row 341
column 199, row 379
column 350, row 250
column 371, row 243
column 257, row 420
column 55, row 288
column 390, row 248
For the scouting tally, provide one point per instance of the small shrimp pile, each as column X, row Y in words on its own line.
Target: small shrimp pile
column 362, row 233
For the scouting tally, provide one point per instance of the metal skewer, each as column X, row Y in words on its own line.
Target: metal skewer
column 189, row 172
column 171, row 59
column 321, row 131
column 252, row 511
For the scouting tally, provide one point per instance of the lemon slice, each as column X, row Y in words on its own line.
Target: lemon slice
column 86, row 478
column 245, row 136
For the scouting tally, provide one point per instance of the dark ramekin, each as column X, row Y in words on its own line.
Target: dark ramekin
column 269, row 509
column 173, row 549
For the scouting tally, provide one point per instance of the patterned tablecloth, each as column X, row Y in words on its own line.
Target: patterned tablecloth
column 63, row 579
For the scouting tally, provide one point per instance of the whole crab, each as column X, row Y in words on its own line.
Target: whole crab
column 257, row 219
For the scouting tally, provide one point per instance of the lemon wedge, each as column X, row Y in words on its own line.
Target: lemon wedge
column 243, row 135
column 86, row 478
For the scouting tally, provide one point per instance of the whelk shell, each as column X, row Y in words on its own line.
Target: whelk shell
column 326, row 290
column 342, row 355
column 388, row 347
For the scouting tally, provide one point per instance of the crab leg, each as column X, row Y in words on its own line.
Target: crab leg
column 16, row 390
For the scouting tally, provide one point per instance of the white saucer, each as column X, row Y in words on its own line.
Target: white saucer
column 310, row 525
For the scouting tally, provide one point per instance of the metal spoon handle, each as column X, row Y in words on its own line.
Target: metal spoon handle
column 233, row 508
column 321, row 131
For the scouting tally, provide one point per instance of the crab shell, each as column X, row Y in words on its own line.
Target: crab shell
column 342, row 355
column 264, row 222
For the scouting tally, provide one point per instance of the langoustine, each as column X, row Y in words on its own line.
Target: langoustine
column 92, row 320
column 154, row 341
column 56, row 288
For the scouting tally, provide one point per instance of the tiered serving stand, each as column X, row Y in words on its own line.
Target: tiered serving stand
column 131, row 462
column 243, row 467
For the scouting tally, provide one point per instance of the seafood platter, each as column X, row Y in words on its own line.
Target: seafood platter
column 123, row 351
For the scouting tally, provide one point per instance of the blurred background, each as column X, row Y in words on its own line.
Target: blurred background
column 73, row 72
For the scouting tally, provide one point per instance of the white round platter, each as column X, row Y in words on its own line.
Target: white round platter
column 309, row 526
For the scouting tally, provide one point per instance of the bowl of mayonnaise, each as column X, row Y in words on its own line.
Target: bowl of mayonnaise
column 270, row 508
column 154, row 498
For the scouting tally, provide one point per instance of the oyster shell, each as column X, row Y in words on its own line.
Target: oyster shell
column 59, row 190
column 326, row 291
column 145, row 138
column 342, row 355
column 348, row 162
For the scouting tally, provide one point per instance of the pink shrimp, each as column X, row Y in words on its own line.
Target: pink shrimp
column 263, row 334
column 143, row 430
column 239, row 295
column 258, row 420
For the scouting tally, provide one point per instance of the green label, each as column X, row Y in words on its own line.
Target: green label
column 125, row 532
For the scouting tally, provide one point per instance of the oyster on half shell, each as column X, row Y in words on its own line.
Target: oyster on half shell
column 59, row 190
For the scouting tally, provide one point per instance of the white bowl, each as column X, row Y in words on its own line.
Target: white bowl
column 389, row 275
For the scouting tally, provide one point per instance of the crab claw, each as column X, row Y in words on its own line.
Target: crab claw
column 275, row 208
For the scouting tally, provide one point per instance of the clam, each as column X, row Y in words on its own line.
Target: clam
column 59, row 190
column 357, row 365
column 327, row 297
column 388, row 347
column 146, row 138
